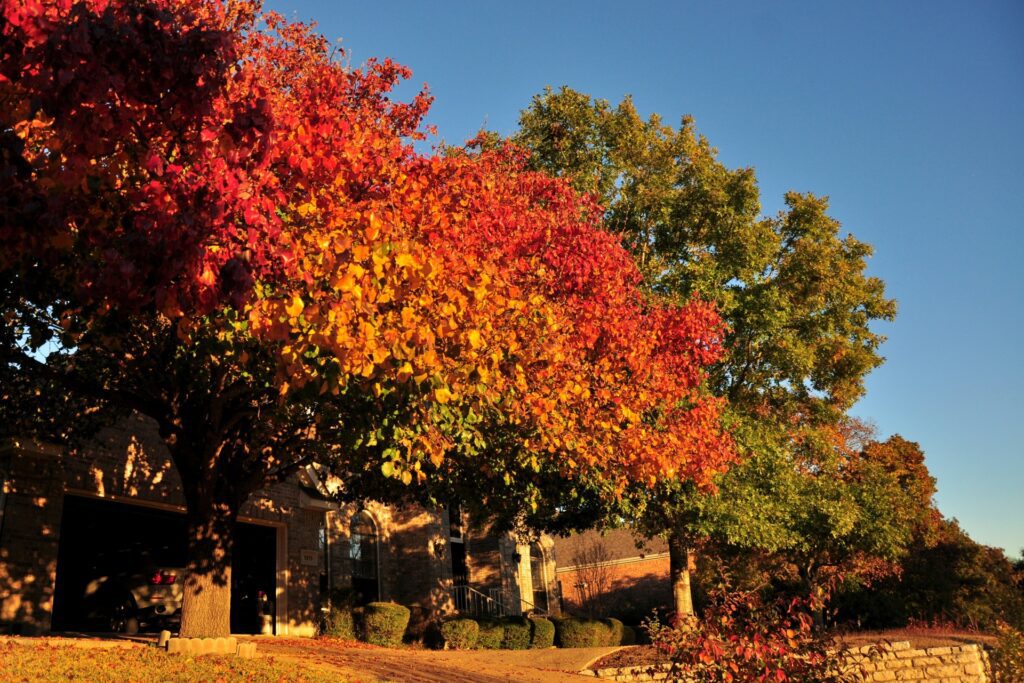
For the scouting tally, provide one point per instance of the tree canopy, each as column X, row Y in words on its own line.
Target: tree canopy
column 209, row 219
column 798, row 305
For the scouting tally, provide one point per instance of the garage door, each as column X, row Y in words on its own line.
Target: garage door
column 120, row 568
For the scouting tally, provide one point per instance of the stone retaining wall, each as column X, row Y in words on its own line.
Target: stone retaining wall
column 880, row 663
column 900, row 662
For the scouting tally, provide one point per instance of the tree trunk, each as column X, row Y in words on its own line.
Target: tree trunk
column 680, row 559
column 206, row 609
column 816, row 594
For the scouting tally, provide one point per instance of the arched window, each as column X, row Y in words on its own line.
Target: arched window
column 363, row 553
column 538, row 577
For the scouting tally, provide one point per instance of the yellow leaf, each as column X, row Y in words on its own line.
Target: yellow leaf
column 405, row 372
column 373, row 227
column 442, row 395
column 474, row 339
column 406, row 260
column 295, row 307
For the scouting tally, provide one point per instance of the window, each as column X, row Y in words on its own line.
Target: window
column 363, row 553
column 457, row 544
column 538, row 577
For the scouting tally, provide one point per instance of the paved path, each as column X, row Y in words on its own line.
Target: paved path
column 365, row 663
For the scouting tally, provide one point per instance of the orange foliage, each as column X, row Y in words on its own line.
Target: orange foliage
column 241, row 180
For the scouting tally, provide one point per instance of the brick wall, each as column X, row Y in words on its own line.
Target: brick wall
column 629, row 588
column 129, row 463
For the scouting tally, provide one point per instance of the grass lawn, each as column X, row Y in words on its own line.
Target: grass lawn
column 28, row 661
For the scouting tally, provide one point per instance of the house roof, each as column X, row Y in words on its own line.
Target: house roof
column 613, row 544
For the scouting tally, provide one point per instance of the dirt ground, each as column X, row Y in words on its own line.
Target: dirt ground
column 918, row 637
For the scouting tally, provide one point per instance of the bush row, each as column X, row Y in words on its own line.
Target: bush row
column 385, row 623
column 508, row 633
column 520, row 633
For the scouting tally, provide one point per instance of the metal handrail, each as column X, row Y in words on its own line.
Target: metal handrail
column 471, row 601
column 532, row 607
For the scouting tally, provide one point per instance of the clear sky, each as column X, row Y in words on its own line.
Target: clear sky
column 909, row 115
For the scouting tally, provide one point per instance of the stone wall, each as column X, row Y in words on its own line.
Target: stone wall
column 881, row 664
column 900, row 662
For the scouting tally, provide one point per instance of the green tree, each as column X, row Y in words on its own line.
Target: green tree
column 947, row 578
column 793, row 290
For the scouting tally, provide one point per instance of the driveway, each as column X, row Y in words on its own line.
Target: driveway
column 367, row 663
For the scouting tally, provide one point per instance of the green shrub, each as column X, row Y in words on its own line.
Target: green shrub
column 542, row 634
column 575, row 632
column 613, row 632
column 384, row 623
column 517, row 633
column 339, row 623
column 628, row 635
column 490, row 635
column 460, row 633
column 1006, row 658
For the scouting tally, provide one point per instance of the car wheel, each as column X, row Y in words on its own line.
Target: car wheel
column 123, row 619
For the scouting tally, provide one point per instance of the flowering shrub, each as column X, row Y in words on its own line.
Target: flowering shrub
column 743, row 638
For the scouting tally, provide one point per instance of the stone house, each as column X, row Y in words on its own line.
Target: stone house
column 65, row 520
column 615, row 573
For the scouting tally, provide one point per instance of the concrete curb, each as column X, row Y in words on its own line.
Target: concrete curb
column 586, row 667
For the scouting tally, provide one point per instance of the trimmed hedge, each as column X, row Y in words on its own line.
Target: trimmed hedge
column 490, row 635
column 628, row 635
column 575, row 632
column 460, row 633
column 339, row 623
column 384, row 623
column 542, row 634
column 517, row 633
column 613, row 631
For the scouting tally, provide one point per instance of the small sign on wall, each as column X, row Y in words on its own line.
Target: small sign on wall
column 308, row 558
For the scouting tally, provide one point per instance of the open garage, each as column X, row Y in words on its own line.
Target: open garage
column 120, row 568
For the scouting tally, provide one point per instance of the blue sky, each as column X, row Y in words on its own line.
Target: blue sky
column 909, row 115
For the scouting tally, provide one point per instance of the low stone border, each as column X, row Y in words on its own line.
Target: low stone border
column 587, row 671
column 650, row 672
column 205, row 646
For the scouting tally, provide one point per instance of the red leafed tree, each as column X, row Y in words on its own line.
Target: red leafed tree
column 209, row 221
